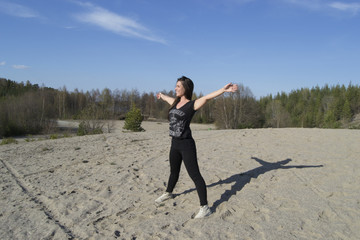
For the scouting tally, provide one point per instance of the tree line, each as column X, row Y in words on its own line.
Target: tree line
column 326, row 107
column 29, row 108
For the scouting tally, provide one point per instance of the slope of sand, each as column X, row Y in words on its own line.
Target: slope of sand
column 262, row 184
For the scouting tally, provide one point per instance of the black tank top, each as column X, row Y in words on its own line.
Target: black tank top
column 180, row 120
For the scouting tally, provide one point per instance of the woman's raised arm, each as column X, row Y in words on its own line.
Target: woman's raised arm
column 227, row 88
column 169, row 100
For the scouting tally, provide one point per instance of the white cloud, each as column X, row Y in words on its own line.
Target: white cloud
column 351, row 7
column 17, row 10
column 2, row 63
column 115, row 23
column 20, row 66
column 324, row 5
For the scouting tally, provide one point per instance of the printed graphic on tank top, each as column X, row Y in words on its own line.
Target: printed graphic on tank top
column 180, row 120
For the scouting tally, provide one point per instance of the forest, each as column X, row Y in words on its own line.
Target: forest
column 28, row 108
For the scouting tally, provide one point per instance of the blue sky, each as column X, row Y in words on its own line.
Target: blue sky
column 269, row 46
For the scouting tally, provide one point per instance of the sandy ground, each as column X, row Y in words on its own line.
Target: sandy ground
column 262, row 184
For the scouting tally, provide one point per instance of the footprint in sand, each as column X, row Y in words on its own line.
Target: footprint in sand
column 224, row 216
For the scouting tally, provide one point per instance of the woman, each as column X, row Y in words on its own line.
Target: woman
column 183, row 148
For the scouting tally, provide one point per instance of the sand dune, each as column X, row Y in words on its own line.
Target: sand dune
column 262, row 184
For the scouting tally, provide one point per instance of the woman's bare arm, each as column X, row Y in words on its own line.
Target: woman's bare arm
column 227, row 88
column 169, row 100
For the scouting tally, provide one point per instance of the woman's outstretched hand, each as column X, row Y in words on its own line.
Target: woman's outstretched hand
column 201, row 101
column 158, row 95
column 230, row 87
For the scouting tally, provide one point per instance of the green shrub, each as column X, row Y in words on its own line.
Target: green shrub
column 86, row 129
column 30, row 139
column 8, row 141
column 83, row 129
column 133, row 119
column 54, row 136
column 67, row 135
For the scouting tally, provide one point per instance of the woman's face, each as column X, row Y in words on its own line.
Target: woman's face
column 179, row 89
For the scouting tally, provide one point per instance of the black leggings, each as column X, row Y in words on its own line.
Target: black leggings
column 185, row 149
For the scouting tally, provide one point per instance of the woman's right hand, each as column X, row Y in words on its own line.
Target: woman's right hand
column 158, row 95
column 230, row 87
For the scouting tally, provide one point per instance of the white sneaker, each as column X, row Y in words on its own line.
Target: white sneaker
column 164, row 197
column 204, row 212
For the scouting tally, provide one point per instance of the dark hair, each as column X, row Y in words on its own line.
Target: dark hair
column 189, row 88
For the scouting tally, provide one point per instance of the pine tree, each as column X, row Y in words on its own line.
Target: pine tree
column 134, row 119
column 346, row 111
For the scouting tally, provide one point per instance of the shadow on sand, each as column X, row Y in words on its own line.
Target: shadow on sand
column 241, row 179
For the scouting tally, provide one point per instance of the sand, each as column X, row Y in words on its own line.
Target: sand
column 262, row 184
